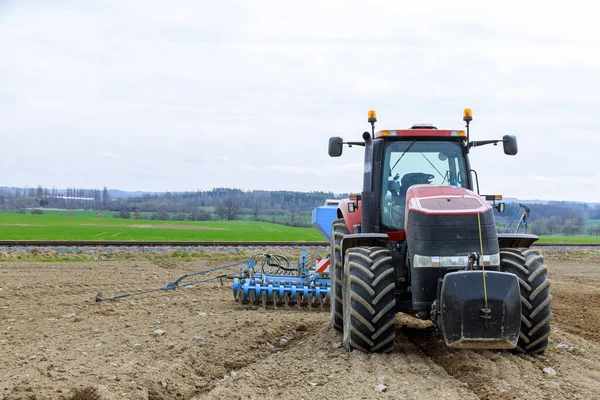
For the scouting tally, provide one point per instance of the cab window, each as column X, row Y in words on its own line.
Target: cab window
column 413, row 162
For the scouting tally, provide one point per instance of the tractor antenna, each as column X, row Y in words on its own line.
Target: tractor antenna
column 372, row 119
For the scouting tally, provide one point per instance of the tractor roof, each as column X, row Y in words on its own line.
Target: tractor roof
column 421, row 131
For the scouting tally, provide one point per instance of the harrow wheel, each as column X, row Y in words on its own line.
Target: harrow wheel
column 528, row 266
column 338, row 231
column 369, row 300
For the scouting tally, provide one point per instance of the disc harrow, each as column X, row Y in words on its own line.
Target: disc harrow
column 306, row 286
column 264, row 280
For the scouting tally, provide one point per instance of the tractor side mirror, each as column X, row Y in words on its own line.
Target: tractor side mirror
column 510, row 145
column 335, row 146
column 500, row 207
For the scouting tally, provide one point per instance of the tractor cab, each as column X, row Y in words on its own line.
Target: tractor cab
column 410, row 160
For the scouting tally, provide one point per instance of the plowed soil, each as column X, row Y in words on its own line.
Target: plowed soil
column 46, row 352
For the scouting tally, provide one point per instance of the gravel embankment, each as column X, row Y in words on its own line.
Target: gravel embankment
column 567, row 248
column 110, row 252
column 145, row 252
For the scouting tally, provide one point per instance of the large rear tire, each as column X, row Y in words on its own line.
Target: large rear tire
column 338, row 231
column 369, row 300
column 528, row 265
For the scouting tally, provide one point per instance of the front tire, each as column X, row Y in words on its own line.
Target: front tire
column 528, row 265
column 369, row 300
column 338, row 231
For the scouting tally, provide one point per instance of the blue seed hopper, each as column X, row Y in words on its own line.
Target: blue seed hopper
column 323, row 217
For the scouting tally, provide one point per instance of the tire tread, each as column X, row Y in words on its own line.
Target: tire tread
column 536, row 313
column 369, row 300
column 338, row 231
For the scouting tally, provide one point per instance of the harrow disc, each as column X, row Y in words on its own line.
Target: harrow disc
column 263, row 297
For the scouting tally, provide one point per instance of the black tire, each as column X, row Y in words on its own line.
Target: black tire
column 369, row 300
column 528, row 265
column 338, row 231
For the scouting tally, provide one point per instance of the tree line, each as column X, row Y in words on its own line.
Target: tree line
column 553, row 218
column 70, row 198
column 284, row 207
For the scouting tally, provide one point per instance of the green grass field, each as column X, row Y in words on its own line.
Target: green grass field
column 570, row 239
column 57, row 227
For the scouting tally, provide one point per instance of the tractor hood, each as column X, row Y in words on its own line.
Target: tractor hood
column 444, row 200
column 444, row 224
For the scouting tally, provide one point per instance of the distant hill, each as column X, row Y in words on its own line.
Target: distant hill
column 515, row 200
column 123, row 194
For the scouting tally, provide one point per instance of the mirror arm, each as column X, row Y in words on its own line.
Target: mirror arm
column 473, row 172
column 484, row 142
column 350, row 144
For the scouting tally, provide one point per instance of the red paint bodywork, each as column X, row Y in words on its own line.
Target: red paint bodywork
column 420, row 133
column 351, row 218
column 397, row 236
column 443, row 200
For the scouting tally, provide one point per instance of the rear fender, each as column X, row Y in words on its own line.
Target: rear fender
column 516, row 240
column 350, row 218
column 363, row 239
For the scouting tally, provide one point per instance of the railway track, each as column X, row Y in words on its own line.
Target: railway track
column 105, row 243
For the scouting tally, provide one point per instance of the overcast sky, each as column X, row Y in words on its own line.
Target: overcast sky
column 185, row 95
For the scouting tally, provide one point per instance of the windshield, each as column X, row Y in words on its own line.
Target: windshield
column 410, row 163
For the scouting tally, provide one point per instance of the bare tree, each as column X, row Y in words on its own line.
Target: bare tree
column 105, row 198
column 294, row 216
column 228, row 209
column 256, row 209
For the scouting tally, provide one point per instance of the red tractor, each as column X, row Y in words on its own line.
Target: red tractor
column 420, row 240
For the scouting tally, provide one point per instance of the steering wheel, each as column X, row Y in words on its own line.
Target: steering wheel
column 429, row 177
column 416, row 178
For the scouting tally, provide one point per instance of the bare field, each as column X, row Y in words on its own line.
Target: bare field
column 49, row 353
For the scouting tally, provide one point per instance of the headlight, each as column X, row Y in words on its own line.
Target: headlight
column 425, row 261
column 452, row 261
column 455, row 261
column 494, row 260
